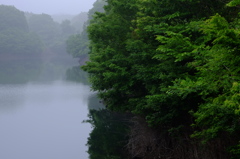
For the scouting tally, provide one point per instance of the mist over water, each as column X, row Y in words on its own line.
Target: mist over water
column 41, row 113
column 44, row 120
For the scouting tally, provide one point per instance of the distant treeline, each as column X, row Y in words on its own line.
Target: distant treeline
column 28, row 41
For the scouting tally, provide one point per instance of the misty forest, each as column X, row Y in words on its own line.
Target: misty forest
column 33, row 46
column 166, row 73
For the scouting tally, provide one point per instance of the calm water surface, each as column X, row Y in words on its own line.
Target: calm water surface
column 44, row 121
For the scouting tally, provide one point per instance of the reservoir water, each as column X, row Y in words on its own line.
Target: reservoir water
column 44, row 120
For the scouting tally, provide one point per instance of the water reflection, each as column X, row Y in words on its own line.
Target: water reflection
column 45, row 120
column 109, row 136
column 19, row 71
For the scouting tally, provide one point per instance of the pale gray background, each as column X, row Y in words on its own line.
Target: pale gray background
column 51, row 6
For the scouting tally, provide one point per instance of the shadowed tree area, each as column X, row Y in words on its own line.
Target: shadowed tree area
column 109, row 135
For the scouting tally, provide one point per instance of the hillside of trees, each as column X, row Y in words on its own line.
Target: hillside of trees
column 19, row 48
column 33, row 46
column 175, row 66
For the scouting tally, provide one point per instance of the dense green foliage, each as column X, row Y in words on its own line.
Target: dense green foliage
column 175, row 63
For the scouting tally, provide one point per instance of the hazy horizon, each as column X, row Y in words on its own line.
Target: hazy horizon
column 52, row 7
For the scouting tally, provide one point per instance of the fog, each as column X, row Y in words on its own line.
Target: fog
column 44, row 121
column 51, row 6
column 44, row 96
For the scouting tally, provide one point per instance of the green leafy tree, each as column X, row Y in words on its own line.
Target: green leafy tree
column 110, row 64
column 164, row 59
column 216, row 81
